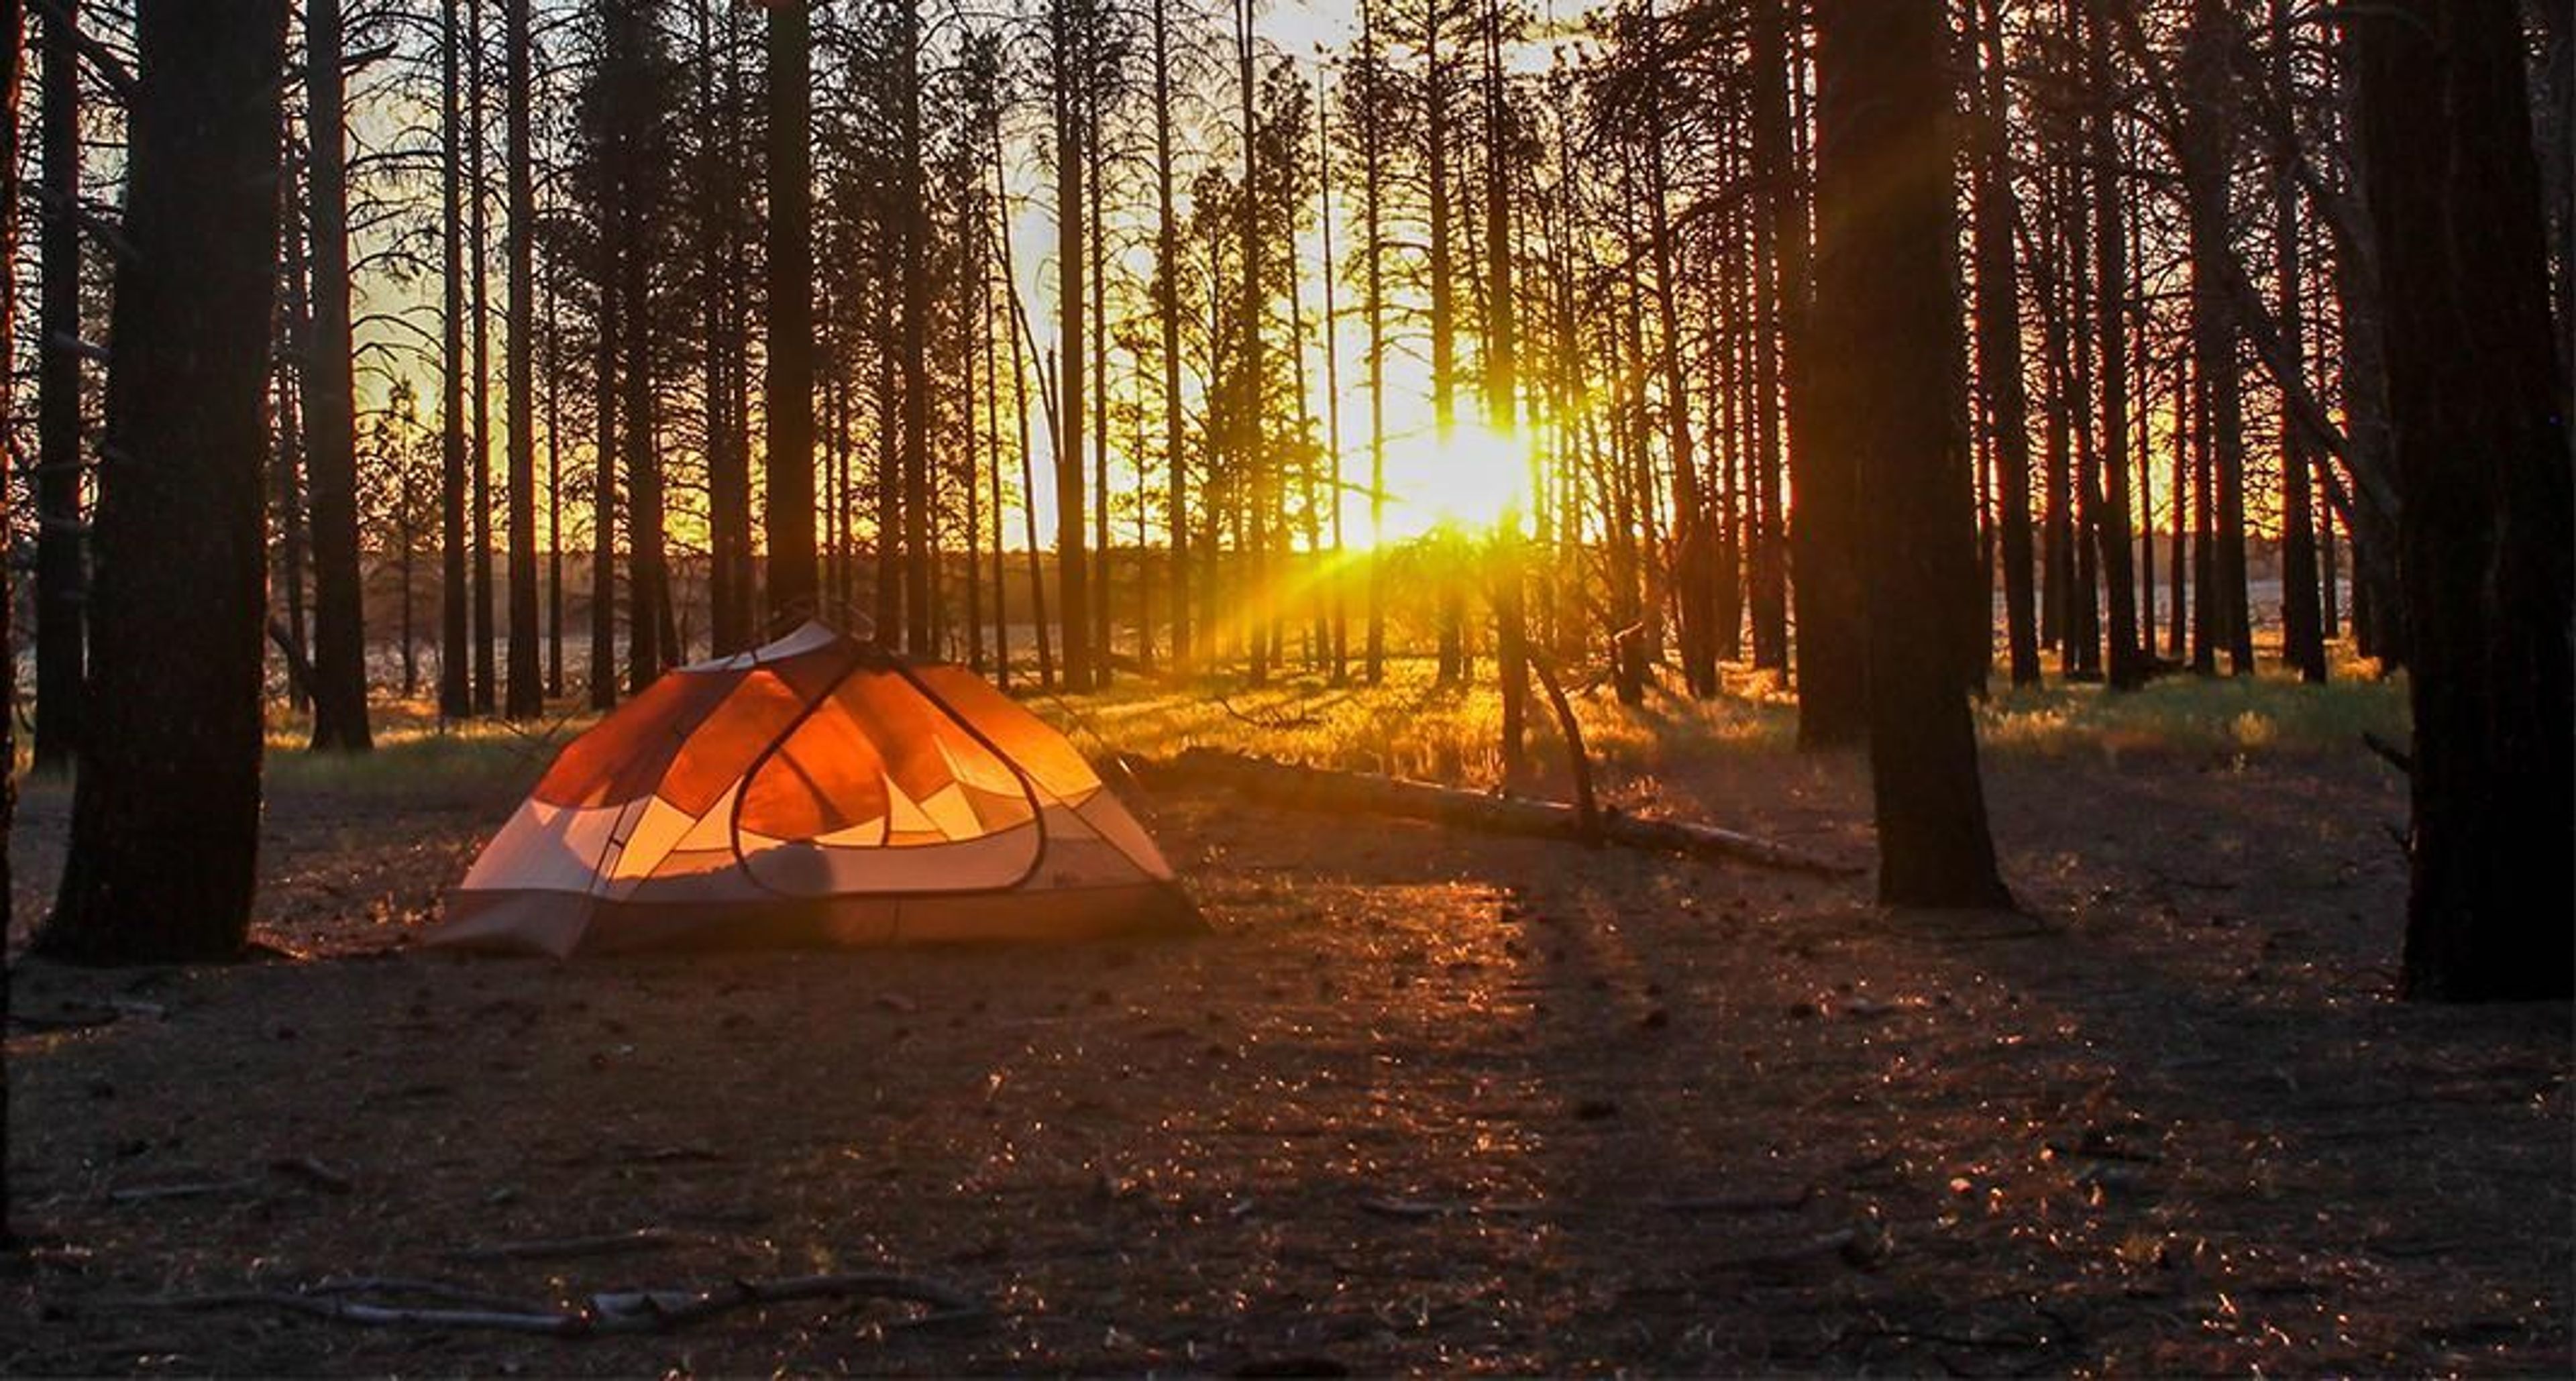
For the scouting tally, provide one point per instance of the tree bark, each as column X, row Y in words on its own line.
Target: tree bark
column 1999, row 345
column 330, row 416
column 2126, row 663
column 2478, row 408
column 1072, row 567
column 165, row 813
column 455, row 641
column 525, row 697
column 60, row 563
column 913, row 236
column 2303, row 642
column 478, row 287
column 788, row 396
column 1887, row 321
column 13, row 25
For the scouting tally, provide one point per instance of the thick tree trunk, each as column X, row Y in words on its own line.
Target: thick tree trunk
column 13, row 24
column 2478, row 407
column 165, row 815
column 1888, row 329
column 60, row 565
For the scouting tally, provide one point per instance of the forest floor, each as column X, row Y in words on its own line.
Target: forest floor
column 1425, row 1101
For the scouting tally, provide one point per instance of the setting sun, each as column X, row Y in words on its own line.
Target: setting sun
column 1469, row 481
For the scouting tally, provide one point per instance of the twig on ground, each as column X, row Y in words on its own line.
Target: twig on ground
column 1271, row 723
column 607, row 1313
column 2389, row 753
column 1738, row 1203
column 313, row 1172
column 27, row 1021
column 427, row 1289
column 1843, row 1242
column 1416, row 1210
column 148, row 1193
column 570, row 1248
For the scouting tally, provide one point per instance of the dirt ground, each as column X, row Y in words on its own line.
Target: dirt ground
column 1424, row 1102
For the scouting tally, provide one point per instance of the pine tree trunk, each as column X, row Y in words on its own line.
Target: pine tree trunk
column 288, row 457
column 1372, row 228
column 2478, row 406
column 478, row 286
column 60, row 563
column 788, row 395
column 455, row 641
column 913, row 240
column 1888, row 330
column 165, row 813
column 1167, row 316
column 1072, row 567
column 1693, row 560
column 554, row 495
column 1778, row 343
column 2126, row 664
column 1999, row 344
column 2303, row 641
column 731, row 585
column 13, row 47
column 330, row 418
column 2207, row 130
column 526, row 693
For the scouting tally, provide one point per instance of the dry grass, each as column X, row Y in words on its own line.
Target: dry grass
column 1411, row 726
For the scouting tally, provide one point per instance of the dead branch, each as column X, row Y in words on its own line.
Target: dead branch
column 2389, row 753
column 1308, row 788
column 1416, row 1210
column 571, row 1248
column 307, row 1170
column 198, row 1189
column 1587, row 808
column 604, row 1314
column 1739, row 1203
column 1272, row 723
column 426, row 1289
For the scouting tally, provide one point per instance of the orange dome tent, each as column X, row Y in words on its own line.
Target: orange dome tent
column 814, row 791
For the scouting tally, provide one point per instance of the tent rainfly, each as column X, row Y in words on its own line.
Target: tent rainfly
column 816, row 791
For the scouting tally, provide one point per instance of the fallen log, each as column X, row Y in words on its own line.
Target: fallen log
column 1310, row 788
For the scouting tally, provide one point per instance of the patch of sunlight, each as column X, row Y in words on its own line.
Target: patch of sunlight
column 2269, row 713
column 1411, row 725
column 413, row 747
